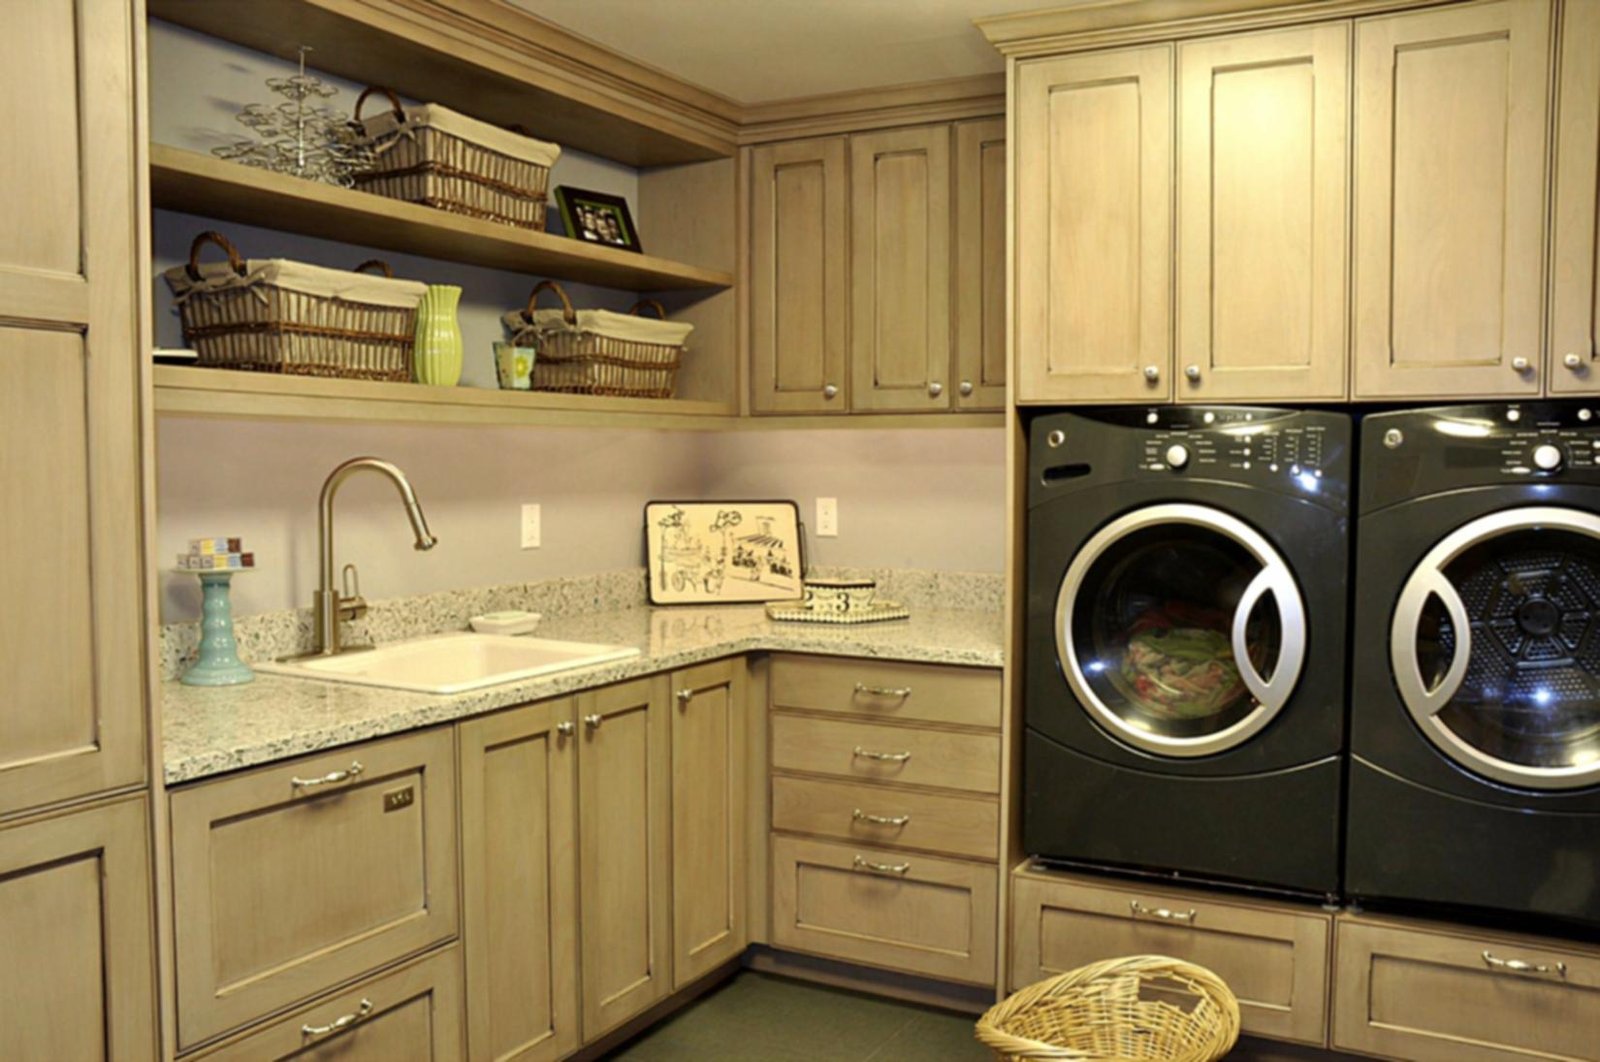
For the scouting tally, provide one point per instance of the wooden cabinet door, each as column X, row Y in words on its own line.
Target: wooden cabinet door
column 798, row 293
column 1449, row 200
column 980, row 264
column 1262, row 181
column 297, row 877
column 708, row 818
column 624, row 856
column 519, row 899
column 900, row 225
column 1575, row 256
column 76, row 935
column 72, row 631
column 1094, row 227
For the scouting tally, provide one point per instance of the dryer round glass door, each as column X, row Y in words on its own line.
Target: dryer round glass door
column 1496, row 647
column 1180, row 629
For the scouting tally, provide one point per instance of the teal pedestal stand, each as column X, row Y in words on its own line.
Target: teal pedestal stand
column 219, row 663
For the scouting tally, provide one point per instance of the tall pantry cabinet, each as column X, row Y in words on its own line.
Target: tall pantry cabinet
column 75, row 908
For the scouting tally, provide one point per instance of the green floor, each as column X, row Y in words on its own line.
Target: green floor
column 756, row 1016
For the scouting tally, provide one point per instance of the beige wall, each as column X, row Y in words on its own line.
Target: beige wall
column 914, row 499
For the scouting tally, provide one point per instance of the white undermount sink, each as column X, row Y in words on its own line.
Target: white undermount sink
column 451, row 663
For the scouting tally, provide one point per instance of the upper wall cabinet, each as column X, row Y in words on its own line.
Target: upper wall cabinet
column 980, row 264
column 1093, row 227
column 1262, row 179
column 797, row 276
column 1575, row 257
column 900, row 269
column 71, row 640
column 1449, row 200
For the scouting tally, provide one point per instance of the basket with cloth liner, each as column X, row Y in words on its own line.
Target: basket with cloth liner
column 277, row 315
column 599, row 352
column 432, row 155
column 1118, row 1010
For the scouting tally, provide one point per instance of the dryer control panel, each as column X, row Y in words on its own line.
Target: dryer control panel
column 1444, row 448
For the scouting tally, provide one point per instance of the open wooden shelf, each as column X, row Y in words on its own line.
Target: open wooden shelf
column 193, row 391
column 200, row 184
column 488, row 59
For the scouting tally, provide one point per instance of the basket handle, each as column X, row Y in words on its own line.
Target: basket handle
column 234, row 261
column 568, row 314
column 649, row 304
column 394, row 102
column 382, row 266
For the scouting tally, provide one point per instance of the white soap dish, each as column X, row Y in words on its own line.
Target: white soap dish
column 511, row 621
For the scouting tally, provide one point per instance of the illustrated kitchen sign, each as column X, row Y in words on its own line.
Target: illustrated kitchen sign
column 723, row 552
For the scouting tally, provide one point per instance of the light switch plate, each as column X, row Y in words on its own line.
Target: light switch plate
column 827, row 517
column 530, row 526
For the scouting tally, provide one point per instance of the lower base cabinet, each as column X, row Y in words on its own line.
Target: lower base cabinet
column 519, row 895
column 895, row 910
column 1273, row 956
column 411, row 1013
column 1446, row 994
column 76, row 939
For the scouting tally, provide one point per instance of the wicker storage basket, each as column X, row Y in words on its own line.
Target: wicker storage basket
column 597, row 352
column 273, row 315
column 436, row 156
column 1120, row 1010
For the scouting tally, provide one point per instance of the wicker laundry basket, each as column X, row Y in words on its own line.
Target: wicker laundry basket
column 1120, row 1010
column 598, row 352
column 439, row 157
column 276, row 315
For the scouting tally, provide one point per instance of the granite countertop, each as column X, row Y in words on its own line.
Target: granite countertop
column 208, row 731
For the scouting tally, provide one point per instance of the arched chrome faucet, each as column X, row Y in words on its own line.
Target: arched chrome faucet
column 328, row 604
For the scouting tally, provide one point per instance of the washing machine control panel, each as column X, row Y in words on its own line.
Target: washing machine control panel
column 1233, row 444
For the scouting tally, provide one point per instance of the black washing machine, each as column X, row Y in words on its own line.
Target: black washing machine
column 1185, row 642
column 1475, row 719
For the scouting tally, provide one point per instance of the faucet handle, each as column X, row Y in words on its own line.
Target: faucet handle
column 352, row 605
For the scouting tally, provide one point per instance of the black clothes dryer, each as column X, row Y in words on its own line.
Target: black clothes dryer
column 1475, row 718
column 1184, row 642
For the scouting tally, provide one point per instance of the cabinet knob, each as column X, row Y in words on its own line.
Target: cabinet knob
column 1521, row 364
column 1192, row 372
column 565, row 729
column 966, row 388
column 1152, row 373
column 935, row 389
column 593, row 721
column 1573, row 362
column 829, row 391
column 684, row 696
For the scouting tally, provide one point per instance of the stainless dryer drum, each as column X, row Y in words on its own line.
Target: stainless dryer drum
column 1495, row 645
column 1181, row 629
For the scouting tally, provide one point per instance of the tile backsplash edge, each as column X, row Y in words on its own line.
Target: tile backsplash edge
column 267, row 635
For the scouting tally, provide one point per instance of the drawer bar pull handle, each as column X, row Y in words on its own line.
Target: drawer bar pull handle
column 331, row 778
column 901, row 692
column 879, row 820
column 1166, row 914
column 881, row 868
column 1518, row 966
column 882, row 757
column 338, row 1023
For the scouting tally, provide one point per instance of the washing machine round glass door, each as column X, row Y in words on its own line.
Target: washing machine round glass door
column 1180, row 629
column 1496, row 647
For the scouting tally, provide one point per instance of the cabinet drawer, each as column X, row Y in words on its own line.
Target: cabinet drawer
column 412, row 1013
column 958, row 826
column 1432, row 994
column 863, row 751
column 295, row 878
column 1273, row 956
column 933, row 917
column 966, row 696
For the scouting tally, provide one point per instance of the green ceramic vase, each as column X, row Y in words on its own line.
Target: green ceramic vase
column 438, row 349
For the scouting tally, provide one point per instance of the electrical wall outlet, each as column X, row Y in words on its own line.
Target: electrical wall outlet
column 827, row 517
column 530, row 526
